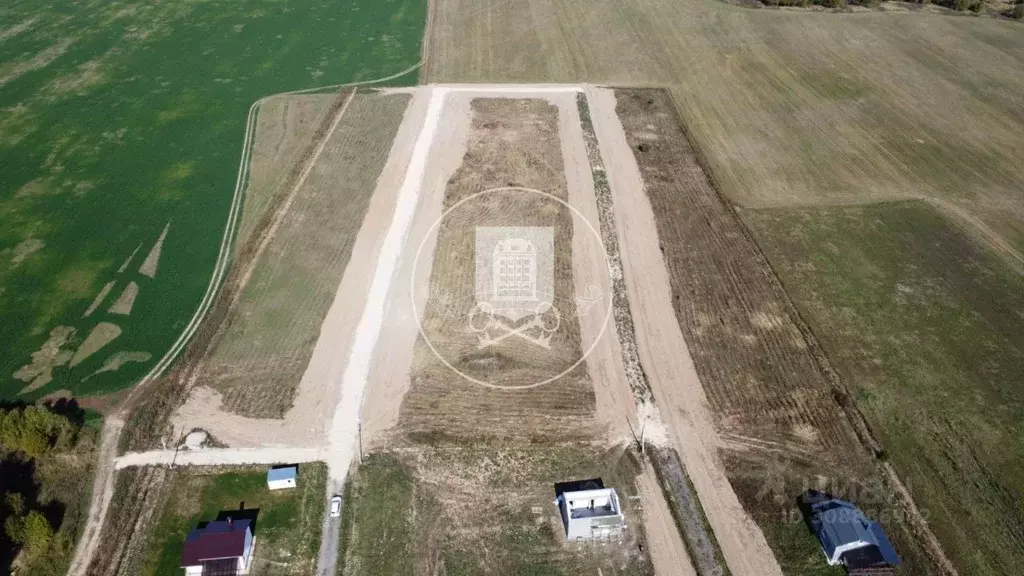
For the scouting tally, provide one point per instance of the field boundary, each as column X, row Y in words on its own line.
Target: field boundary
column 700, row 541
column 103, row 482
column 231, row 228
column 841, row 395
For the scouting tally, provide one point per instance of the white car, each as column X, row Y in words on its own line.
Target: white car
column 335, row 506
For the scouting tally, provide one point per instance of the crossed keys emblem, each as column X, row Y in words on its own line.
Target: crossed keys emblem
column 491, row 329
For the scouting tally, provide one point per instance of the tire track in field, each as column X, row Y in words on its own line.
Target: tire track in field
column 230, row 228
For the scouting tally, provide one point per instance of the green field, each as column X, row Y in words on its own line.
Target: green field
column 287, row 527
column 473, row 510
column 118, row 120
column 926, row 328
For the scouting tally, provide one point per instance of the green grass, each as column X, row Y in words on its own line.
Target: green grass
column 136, row 122
column 798, row 550
column 469, row 511
column 926, row 329
column 287, row 528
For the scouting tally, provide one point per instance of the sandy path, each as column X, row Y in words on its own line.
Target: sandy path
column 389, row 374
column 219, row 456
column 102, row 492
column 615, row 409
column 345, row 424
column 664, row 354
column 306, row 422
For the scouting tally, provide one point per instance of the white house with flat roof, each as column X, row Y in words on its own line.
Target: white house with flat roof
column 593, row 513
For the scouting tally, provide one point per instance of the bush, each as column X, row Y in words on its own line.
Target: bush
column 977, row 5
column 1017, row 12
column 36, row 430
column 32, row 531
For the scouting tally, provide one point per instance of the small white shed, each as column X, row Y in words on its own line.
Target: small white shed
column 591, row 514
column 283, row 477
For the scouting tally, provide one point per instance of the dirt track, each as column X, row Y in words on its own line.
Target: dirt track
column 664, row 353
column 102, row 492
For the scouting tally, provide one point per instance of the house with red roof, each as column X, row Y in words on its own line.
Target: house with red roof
column 221, row 548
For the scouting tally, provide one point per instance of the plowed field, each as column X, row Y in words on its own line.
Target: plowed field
column 782, row 426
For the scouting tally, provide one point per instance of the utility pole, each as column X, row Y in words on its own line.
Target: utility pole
column 177, row 445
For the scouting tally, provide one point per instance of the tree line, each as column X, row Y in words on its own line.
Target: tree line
column 35, row 430
column 27, row 433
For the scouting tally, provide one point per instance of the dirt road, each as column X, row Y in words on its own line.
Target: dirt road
column 616, row 411
column 102, row 492
column 220, row 456
column 664, row 354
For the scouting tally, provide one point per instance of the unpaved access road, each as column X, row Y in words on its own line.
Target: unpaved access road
column 102, row 492
column 664, row 354
column 220, row 457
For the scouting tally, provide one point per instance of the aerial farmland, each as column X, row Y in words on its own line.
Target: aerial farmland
column 443, row 257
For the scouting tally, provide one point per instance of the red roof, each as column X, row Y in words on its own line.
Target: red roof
column 214, row 541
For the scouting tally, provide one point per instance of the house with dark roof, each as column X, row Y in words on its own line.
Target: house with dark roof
column 847, row 536
column 221, row 548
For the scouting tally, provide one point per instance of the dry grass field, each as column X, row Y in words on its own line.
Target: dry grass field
column 781, row 426
column 285, row 126
column 925, row 326
column 260, row 358
column 792, row 109
column 483, row 510
column 511, row 143
column 789, row 107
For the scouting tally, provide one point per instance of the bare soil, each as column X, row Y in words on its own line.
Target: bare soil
column 303, row 360
column 512, row 142
column 102, row 334
column 285, row 126
column 124, row 303
column 100, row 297
column 442, row 425
column 668, row 373
column 149, row 265
column 753, row 360
column 40, row 371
